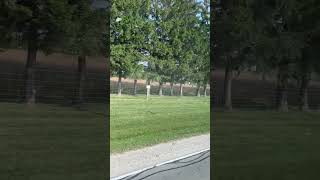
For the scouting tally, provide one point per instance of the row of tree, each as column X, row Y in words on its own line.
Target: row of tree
column 76, row 27
column 279, row 36
column 161, row 40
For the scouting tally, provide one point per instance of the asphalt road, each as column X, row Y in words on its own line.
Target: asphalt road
column 196, row 167
column 135, row 160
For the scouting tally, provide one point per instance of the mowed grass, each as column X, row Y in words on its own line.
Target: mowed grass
column 266, row 145
column 48, row 142
column 136, row 122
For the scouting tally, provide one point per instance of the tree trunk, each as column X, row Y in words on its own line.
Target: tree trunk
column 135, row 87
column 171, row 89
column 282, row 89
column 148, row 90
column 160, row 88
column 228, row 88
column 198, row 89
column 181, row 89
column 264, row 76
column 205, row 89
column 82, row 73
column 119, row 83
column 303, row 92
column 30, row 91
column 283, row 106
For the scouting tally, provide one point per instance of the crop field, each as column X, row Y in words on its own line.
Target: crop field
column 136, row 122
column 55, row 80
column 127, row 88
column 249, row 91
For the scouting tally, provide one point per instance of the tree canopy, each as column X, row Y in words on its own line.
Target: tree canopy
column 172, row 36
column 275, row 36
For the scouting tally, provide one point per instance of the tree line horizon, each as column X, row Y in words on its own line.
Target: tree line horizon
column 171, row 37
column 74, row 27
column 174, row 37
column 275, row 36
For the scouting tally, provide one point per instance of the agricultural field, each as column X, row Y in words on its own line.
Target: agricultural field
column 266, row 145
column 250, row 91
column 136, row 122
column 128, row 88
column 55, row 80
column 52, row 142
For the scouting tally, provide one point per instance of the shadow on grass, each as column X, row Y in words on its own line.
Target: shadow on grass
column 52, row 142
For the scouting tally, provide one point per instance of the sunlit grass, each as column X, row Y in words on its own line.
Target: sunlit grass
column 137, row 122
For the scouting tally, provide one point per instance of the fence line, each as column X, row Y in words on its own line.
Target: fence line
column 54, row 86
column 260, row 94
column 128, row 89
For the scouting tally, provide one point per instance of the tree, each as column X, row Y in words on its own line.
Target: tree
column 168, row 34
column 233, row 40
column 162, row 61
column 137, row 72
column 86, row 38
column 200, row 61
column 307, row 24
column 172, row 45
column 8, row 16
column 281, row 41
column 39, row 25
column 184, row 38
column 276, row 35
column 214, row 9
column 204, row 43
column 127, row 35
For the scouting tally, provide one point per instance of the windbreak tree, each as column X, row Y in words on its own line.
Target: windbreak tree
column 127, row 36
column 191, row 39
column 308, row 25
column 9, row 11
column 280, row 41
column 172, row 47
column 161, row 50
column 203, row 44
column 200, row 60
column 167, row 35
column 274, row 36
column 233, row 40
column 304, row 68
column 39, row 26
column 136, row 73
column 87, row 37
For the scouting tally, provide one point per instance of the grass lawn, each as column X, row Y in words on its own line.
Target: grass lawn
column 49, row 142
column 136, row 122
column 266, row 146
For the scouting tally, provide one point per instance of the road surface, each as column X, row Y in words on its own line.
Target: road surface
column 196, row 167
column 188, row 149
